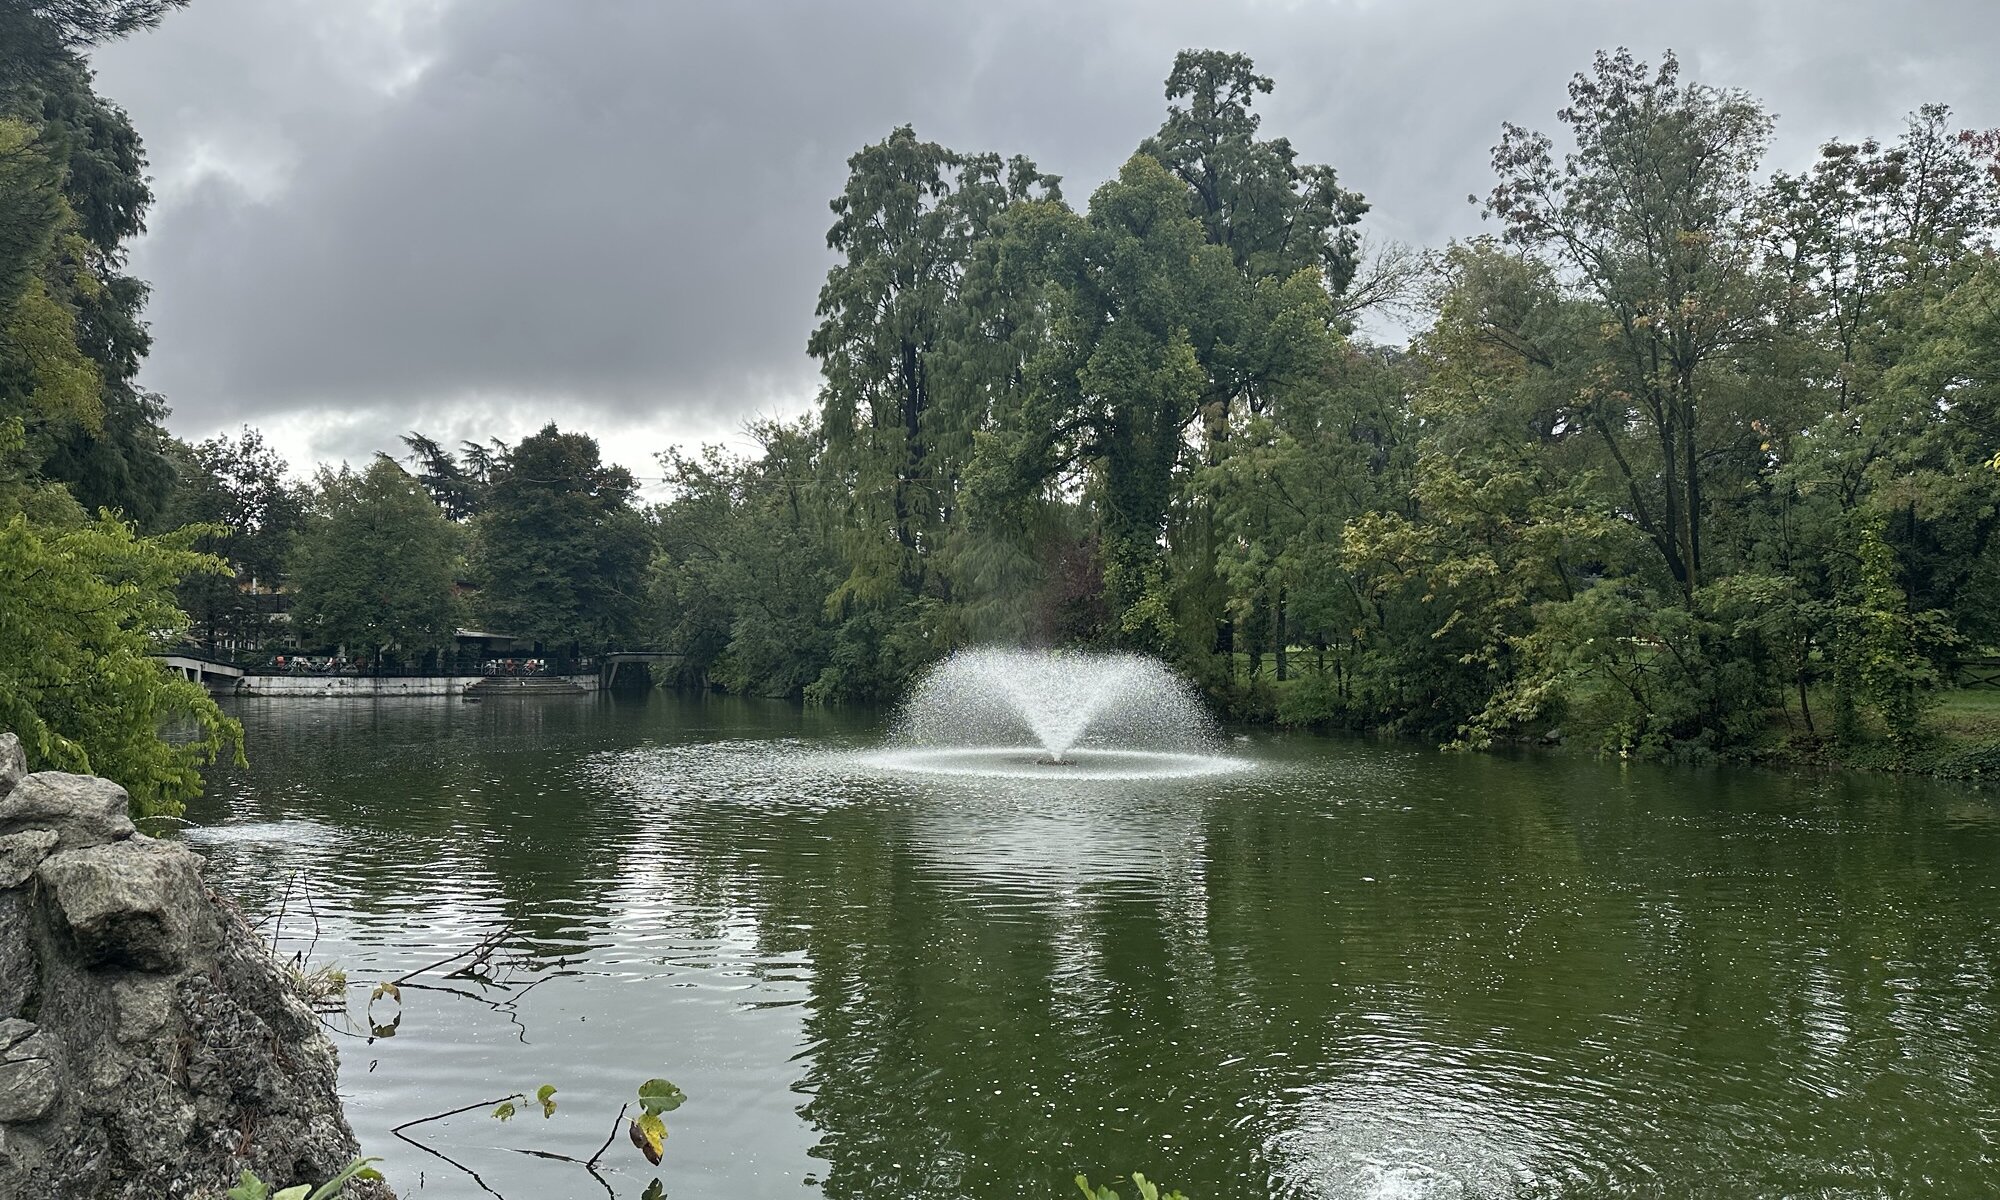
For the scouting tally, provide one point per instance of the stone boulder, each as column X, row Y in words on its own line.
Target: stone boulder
column 149, row 1045
column 82, row 809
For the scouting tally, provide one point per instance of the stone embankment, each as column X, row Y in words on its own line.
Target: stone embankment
column 368, row 687
column 149, row 1045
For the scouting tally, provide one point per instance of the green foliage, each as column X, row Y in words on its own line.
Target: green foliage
column 250, row 1187
column 560, row 553
column 458, row 486
column 506, row 1110
column 658, row 1096
column 72, row 189
column 1887, row 651
column 237, row 485
column 82, row 610
column 1276, row 215
column 1147, row 1189
column 374, row 567
column 31, row 207
column 85, row 603
column 746, row 561
column 1681, row 458
column 898, row 408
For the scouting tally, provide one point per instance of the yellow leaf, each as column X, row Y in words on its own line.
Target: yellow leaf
column 649, row 1133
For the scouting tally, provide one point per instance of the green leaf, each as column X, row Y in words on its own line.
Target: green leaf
column 294, row 1193
column 658, row 1096
column 654, row 1191
column 249, row 1187
column 545, row 1096
column 337, row 1187
column 504, row 1111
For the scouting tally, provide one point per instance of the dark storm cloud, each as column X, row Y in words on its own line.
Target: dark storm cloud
column 481, row 215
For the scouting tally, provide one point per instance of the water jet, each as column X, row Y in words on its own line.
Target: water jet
column 1014, row 712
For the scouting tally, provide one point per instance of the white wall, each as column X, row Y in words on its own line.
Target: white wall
column 370, row 687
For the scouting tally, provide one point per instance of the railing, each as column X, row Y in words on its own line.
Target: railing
column 1979, row 672
column 520, row 666
column 220, row 658
column 425, row 666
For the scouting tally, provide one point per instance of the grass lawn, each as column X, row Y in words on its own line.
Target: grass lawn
column 1968, row 715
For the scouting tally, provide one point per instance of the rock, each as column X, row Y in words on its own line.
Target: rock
column 21, row 853
column 28, row 1089
column 127, row 904
column 150, row 1047
column 144, row 1003
column 29, row 1081
column 33, row 1046
column 13, row 762
column 83, row 810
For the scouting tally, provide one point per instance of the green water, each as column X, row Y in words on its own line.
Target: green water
column 1352, row 970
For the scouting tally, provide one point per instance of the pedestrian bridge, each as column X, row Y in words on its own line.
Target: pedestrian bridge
column 201, row 670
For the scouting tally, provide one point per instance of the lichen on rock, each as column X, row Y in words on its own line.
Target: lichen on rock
column 149, row 1045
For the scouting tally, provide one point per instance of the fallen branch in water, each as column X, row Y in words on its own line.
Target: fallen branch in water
column 590, row 1166
column 610, row 1137
column 478, row 952
column 439, row 1154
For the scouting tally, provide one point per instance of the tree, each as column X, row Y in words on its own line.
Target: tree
column 1648, row 217
column 374, row 568
column 1276, row 215
column 906, row 225
column 1153, row 330
column 561, row 553
column 747, row 556
column 457, row 488
column 82, row 612
column 84, row 604
column 71, row 346
column 238, row 486
column 78, row 23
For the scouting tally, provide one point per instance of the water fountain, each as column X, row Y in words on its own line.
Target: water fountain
column 1024, row 712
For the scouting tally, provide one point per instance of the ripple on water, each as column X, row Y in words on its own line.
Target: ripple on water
column 1319, row 969
column 292, row 832
column 1032, row 762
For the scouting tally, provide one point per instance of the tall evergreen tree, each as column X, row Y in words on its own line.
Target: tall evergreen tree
column 561, row 552
column 906, row 225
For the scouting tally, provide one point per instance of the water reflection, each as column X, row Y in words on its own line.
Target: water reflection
column 1356, row 971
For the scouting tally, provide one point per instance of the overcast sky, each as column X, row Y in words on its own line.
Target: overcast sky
column 473, row 217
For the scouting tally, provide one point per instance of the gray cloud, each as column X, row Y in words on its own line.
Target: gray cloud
column 477, row 216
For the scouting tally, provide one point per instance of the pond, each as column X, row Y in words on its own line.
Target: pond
column 1354, row 969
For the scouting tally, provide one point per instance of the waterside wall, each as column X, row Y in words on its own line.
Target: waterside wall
column 377, row 687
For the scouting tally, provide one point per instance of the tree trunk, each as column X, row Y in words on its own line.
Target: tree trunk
column 1278, row 638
